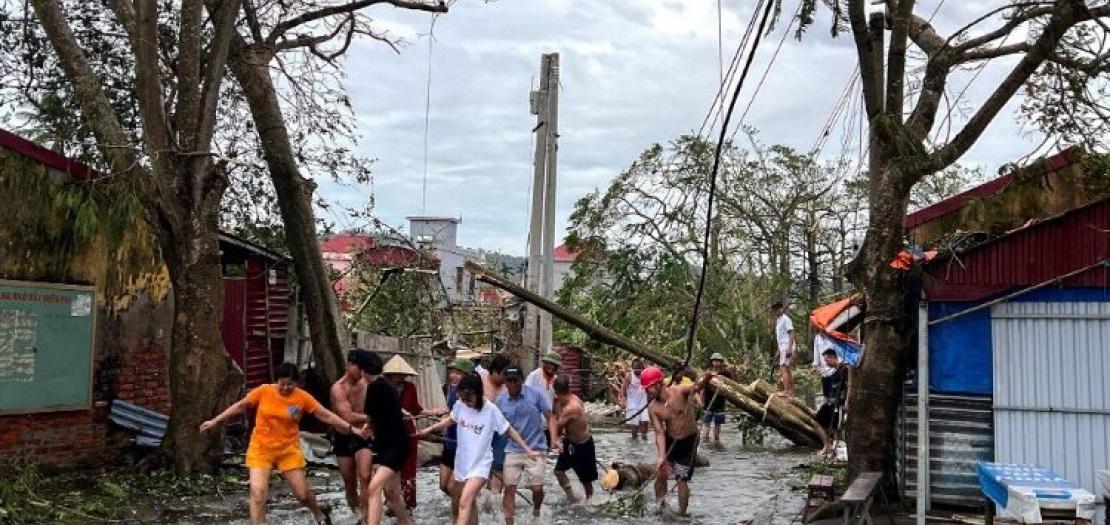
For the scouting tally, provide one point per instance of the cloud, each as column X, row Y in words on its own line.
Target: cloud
column 633, row 73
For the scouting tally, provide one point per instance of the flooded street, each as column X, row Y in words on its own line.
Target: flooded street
column 739, row 486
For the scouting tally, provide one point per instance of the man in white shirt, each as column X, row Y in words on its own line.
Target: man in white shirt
column 542, row 379
column 785, row 342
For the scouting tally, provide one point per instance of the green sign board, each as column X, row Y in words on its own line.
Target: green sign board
column 46, row 346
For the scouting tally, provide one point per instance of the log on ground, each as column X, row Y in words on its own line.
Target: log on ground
column 794, row 422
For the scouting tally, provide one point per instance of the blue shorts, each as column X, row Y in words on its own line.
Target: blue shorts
column 499, row 442
column 715, row 417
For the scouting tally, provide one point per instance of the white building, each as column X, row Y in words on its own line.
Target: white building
column 439, row 235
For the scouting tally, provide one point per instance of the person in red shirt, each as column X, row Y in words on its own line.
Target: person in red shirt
column 275, row 441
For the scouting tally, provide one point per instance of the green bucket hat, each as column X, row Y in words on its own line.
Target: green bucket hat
column 716, row 357
column 465, row 366
column 553, row 358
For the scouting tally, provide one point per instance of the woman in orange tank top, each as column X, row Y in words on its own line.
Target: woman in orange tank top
column 275, row 442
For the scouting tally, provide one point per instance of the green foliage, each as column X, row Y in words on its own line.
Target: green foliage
column 640, row 239
column 398, row 304
column 30, row 495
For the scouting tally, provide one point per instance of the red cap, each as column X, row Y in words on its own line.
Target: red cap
column 650, row 375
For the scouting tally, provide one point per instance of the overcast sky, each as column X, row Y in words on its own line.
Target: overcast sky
column 634, row 72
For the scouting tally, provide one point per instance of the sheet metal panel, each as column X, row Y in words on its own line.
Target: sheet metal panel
column 1051, row 392
column 959, row 435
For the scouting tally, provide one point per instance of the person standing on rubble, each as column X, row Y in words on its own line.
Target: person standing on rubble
column 275, row 442
column 786, row 344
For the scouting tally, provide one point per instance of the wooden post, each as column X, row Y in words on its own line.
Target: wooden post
column 794, row 423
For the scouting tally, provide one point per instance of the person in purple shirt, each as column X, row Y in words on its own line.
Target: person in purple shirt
column 529, row 412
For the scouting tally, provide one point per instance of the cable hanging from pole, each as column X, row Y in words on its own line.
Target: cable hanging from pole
column 699, row 296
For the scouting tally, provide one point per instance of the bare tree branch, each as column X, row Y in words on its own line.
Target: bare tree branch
column 1065, row 15
column 282, row 27
column 896, row 58
column 215, row 65
column 869, row 74
column 1036, row 9
column 251, row 13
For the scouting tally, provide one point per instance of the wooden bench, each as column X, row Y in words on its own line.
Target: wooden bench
column 858, row 498
column 819, row 493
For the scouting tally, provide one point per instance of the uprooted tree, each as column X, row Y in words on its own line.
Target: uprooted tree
column 1059, row 53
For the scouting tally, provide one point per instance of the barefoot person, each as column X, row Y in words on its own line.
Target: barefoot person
column 348, row 397
column 478, row 420
column 529, row 412
column 834, row 388
column 275, row 442
column 634, row 401
column 391, row 441
column 676, row 433
column 785, row 341
column 714, row 403
column 573, row 441
column 456, row 371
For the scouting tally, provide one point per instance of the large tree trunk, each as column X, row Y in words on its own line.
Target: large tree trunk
column 873, row 394
column 203, row 378
column 294, row 194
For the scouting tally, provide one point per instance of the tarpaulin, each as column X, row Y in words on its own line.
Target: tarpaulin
column 960, row 360
column 1021, row 491
column 827, row 321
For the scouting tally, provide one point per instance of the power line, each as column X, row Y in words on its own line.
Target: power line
column 695, row 315
column 427, row 113
column 766, row 71
column 719, row 98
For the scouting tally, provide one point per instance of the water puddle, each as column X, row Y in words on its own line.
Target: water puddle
column 739, row 486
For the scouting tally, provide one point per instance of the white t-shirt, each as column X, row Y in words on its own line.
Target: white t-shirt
column 475, row 429
column 783, row 327
column 539, row 383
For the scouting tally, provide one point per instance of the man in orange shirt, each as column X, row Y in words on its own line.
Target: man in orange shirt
column 275, row 442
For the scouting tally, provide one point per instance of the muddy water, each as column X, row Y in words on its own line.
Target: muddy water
column 740, row 486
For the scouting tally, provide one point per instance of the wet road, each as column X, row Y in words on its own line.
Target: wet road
column 740, row 486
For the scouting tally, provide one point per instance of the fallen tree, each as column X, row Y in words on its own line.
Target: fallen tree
column 790, row 418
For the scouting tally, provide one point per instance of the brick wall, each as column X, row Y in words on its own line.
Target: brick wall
column 130, row 364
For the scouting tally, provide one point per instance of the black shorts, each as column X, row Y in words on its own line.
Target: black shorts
column 391, row 453
column 346, row 445
column 681, row 454
column 447, row 458
column 828, row 417
column 580, row 457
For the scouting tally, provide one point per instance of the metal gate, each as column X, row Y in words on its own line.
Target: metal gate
column 1052, row 386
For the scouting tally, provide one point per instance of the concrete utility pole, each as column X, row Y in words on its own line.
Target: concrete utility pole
column 552, row 129
column 541, row 232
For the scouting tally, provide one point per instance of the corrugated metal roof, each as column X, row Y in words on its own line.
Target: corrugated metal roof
column 1028, row 256
column 959, row 435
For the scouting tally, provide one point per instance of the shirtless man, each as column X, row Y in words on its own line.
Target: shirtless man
column 674, row 419
column 573, row 440
column 348, row 395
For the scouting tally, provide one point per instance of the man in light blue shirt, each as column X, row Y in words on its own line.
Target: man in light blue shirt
column 529, row 412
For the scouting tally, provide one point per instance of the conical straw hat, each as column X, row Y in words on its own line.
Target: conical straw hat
column 398, row 365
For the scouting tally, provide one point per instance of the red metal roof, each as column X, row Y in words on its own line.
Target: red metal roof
column 1028, row 256
column 953, row 203
column 11, row 141
column 347, row 243
column 564, row 254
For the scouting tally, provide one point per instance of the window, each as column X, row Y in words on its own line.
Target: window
column 458, row 279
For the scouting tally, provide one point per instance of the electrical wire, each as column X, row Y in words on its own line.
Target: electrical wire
column 699, row 296
column 766, row 71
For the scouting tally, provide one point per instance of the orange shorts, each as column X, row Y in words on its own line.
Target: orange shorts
column 282, row 459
